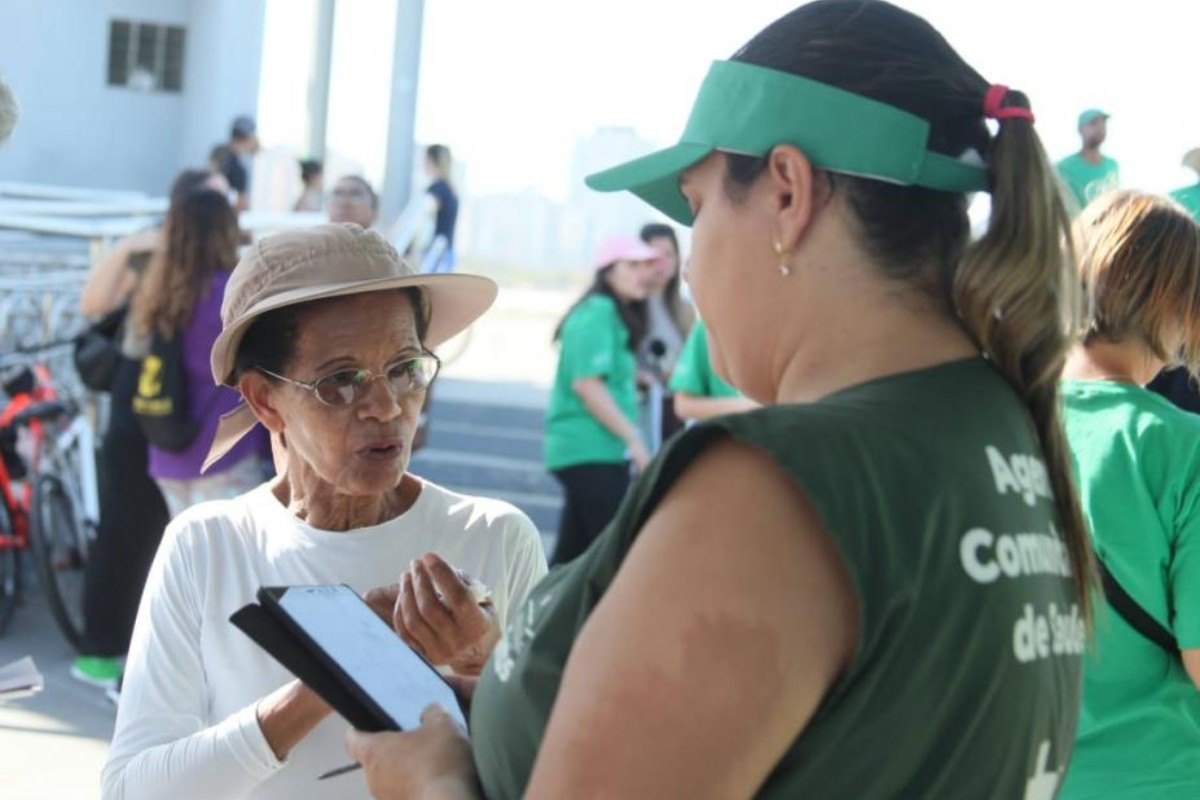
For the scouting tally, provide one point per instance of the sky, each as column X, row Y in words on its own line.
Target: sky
column 512, row 86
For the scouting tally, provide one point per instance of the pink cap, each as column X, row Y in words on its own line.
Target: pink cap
column 623, row 248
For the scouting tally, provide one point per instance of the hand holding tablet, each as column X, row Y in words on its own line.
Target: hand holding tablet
column 331, row 640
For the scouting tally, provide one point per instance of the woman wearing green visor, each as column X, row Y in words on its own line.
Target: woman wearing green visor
column 875, row 586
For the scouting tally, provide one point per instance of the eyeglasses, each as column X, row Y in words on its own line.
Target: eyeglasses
column 347, row 386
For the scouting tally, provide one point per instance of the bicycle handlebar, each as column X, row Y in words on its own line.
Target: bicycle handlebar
column 45, row 410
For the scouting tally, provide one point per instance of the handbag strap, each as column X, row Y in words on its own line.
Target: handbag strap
column 1134, row 614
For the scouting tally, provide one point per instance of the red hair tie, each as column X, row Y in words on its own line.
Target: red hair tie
column 993, row 105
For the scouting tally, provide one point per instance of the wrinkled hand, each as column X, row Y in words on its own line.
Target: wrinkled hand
column 433, row 610
column 432, row 761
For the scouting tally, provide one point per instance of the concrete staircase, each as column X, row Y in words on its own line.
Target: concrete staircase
column 486, row 439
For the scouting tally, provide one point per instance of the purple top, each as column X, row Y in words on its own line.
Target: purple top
column 206, row 401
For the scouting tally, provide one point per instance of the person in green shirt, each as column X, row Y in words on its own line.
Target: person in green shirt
column 874, row 586
column 592, row 431
column 1189, row 196
column 1089, row 173
column 700, row 393
column 1138, row 460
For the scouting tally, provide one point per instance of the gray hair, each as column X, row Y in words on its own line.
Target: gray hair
column 8, row 111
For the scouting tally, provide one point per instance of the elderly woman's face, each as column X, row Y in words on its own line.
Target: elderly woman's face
column 362, row 449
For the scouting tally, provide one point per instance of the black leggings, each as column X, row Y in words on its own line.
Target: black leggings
column 593, row 494
column 132, row 517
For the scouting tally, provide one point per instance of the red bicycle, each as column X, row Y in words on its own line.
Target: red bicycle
column 31, row 407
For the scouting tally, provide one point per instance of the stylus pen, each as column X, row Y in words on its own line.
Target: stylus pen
column 333, row 773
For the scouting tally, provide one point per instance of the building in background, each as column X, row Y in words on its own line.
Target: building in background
column 528, row 230
column 120, row 94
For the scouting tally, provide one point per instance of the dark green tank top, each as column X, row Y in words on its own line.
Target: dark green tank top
column 966, row 680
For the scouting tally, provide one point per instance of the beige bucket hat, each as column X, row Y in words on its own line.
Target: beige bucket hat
column 334, row 260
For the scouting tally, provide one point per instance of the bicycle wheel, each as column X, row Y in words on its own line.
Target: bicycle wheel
column 57, row 554
column 70, row 474
column 10, row 568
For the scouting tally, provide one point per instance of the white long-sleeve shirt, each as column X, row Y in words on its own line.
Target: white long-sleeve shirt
column 186, row 725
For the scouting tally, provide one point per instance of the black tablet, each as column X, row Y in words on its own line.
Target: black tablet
column 363, row 658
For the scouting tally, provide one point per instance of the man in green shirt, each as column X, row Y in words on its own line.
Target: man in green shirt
column 1189, row 196
column 1089, row 173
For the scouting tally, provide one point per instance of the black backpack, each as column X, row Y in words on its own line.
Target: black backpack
column 161, row 401
column 97, row 351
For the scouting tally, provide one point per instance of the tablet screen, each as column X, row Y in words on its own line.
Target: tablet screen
column 384, row 667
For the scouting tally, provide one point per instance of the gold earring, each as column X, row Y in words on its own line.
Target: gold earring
column 782, row 255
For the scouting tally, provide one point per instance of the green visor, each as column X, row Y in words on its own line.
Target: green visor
column 746, row 109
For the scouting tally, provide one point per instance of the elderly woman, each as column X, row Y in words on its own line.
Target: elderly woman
column 327, row 334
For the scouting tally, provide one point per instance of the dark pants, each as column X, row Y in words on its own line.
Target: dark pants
column 671, row 424
column 593, row 494
column 132, row 517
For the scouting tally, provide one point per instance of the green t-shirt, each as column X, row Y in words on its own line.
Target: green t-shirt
column 967, row 675
column 1137, row 459
column 1085, row 181
column 1189, row 198
column 693, row 371
column 594, row 344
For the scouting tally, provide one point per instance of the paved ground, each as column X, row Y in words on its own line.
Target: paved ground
column 52, row 746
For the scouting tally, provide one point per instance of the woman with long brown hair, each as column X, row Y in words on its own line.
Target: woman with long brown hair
column 1138, row 459
column 132, row 510
column 592, row 437
column 180, row 298
column 669, row 319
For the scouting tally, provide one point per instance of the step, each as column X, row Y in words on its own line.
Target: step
column 515, row 394
column 487, row 440
column 492, row 416
column 496, row 473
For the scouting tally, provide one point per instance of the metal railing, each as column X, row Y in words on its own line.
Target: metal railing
column 39, row 312
column 49, row 236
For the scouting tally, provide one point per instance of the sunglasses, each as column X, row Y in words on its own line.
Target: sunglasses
column 346, row 387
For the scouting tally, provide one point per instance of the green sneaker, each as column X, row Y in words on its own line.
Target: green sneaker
column 97, row 670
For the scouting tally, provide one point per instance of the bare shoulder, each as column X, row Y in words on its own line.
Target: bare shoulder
column 735, row 506
column 732, row 611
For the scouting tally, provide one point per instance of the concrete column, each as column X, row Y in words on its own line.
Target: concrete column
column 406, row 67
column 318, row 102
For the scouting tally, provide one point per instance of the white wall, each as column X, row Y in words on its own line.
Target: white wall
column 74, row 128
column 78, row 131
column 221, row 73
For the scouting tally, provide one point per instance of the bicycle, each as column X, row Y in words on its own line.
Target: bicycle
column 28, row 407
column 58, row 513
